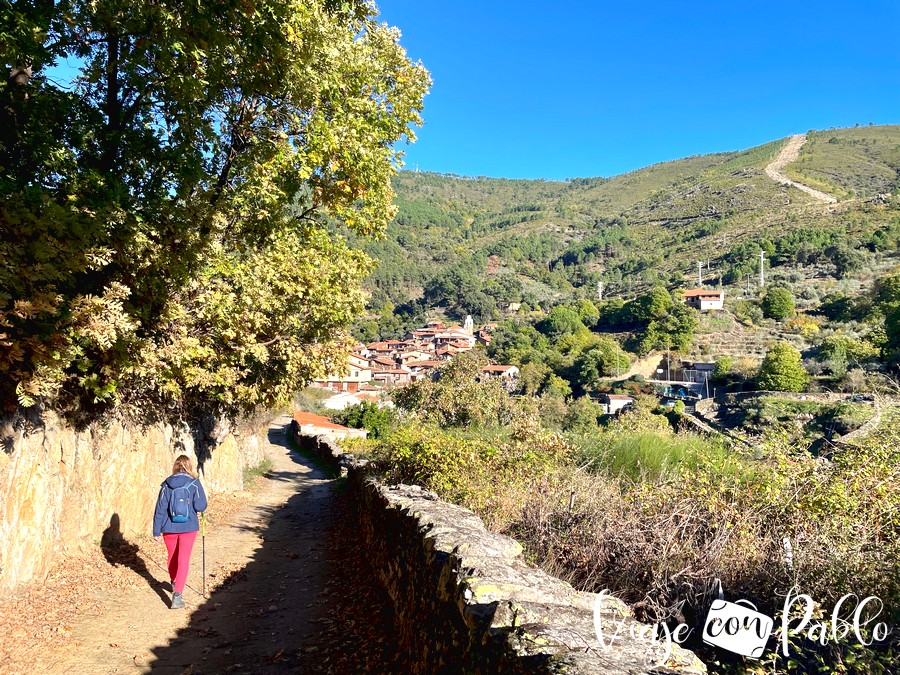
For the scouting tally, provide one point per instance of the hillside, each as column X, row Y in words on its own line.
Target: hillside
column 473, row 245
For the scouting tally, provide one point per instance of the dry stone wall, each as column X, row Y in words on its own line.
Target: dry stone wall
column 465, row 600
column 63, row 491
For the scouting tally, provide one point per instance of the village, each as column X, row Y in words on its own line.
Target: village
column 374, row 369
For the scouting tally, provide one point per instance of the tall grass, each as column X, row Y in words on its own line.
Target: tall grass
column 650, row 457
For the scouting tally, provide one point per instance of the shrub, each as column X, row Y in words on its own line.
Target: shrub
column 778, row 303
column 491, row 473
column 459, row 397
column 367, row 415
column 582, row 414
column 803, row 324
column 748, row 312
column 782, row 370
column 722, row 369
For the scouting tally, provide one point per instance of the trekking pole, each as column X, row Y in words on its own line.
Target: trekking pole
column 203, row 548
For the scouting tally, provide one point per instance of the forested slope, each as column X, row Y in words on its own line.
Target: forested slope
column 472, row 245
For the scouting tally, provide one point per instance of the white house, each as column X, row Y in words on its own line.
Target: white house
column 357, row 372
column 501, row 372
column 613, row 403
column 702, row 298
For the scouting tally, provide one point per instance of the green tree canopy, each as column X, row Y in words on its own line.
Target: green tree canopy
column 846, row 260
column 602, row 360
column 460, row 397
column 778, row 303
column 563, row 320
column 651, row 306
column 782, row 370
column 887, row 303
column 168, row 216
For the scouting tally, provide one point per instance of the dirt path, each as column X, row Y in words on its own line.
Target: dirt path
column 646, row 366
column 288, row 587
column 788, row 154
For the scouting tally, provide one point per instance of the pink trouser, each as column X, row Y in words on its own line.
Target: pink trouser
column 179, row 547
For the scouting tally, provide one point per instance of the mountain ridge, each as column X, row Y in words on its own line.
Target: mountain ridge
column 552, row 240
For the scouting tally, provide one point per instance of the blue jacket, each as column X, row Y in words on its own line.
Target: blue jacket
column 162, row 524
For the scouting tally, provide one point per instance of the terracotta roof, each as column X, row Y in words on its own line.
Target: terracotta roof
column 702, row 291
column 383, row 360
column 308, row 419
column 496, row 369
column 428, row 363
column 618, row 397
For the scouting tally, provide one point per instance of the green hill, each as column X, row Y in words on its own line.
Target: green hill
column 472, row 245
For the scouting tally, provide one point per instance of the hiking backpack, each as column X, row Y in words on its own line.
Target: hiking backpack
column 180, row 503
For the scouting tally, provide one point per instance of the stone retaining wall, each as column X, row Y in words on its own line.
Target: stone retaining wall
column 63, row 491
column 465, row 600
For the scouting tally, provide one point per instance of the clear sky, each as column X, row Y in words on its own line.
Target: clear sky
column 575, row 89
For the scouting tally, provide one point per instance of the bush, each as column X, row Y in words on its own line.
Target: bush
column 748, row 313
column 459, row 397
column 582, row 414
column 367, row 415
column 782, row 370
column 778, row 303
column 722, row 369
column 491, row 473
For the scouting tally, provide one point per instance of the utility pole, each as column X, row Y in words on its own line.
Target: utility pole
column 617, row 360
column 668, row 361
column 699, row 272
column 762, row 274
column 600, row 291
column 748, row 284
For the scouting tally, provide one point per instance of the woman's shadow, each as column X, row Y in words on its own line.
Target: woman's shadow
column 118, row 551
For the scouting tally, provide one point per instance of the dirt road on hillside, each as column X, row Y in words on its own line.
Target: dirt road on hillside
column 289, row 590
column 789, row 153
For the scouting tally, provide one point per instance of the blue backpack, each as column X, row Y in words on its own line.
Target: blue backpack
column 180, row 503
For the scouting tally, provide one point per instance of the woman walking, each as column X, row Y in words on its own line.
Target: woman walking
column 181, row 498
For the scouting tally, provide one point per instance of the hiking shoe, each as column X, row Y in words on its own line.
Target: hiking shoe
column 177, row 601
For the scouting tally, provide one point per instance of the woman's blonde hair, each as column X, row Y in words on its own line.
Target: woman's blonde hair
column 183, row 464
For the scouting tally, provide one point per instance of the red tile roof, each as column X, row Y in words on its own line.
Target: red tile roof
column 383, row 360
column 305, row 418
column 702, row 291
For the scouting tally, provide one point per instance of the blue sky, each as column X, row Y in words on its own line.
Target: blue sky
column 576, row 89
